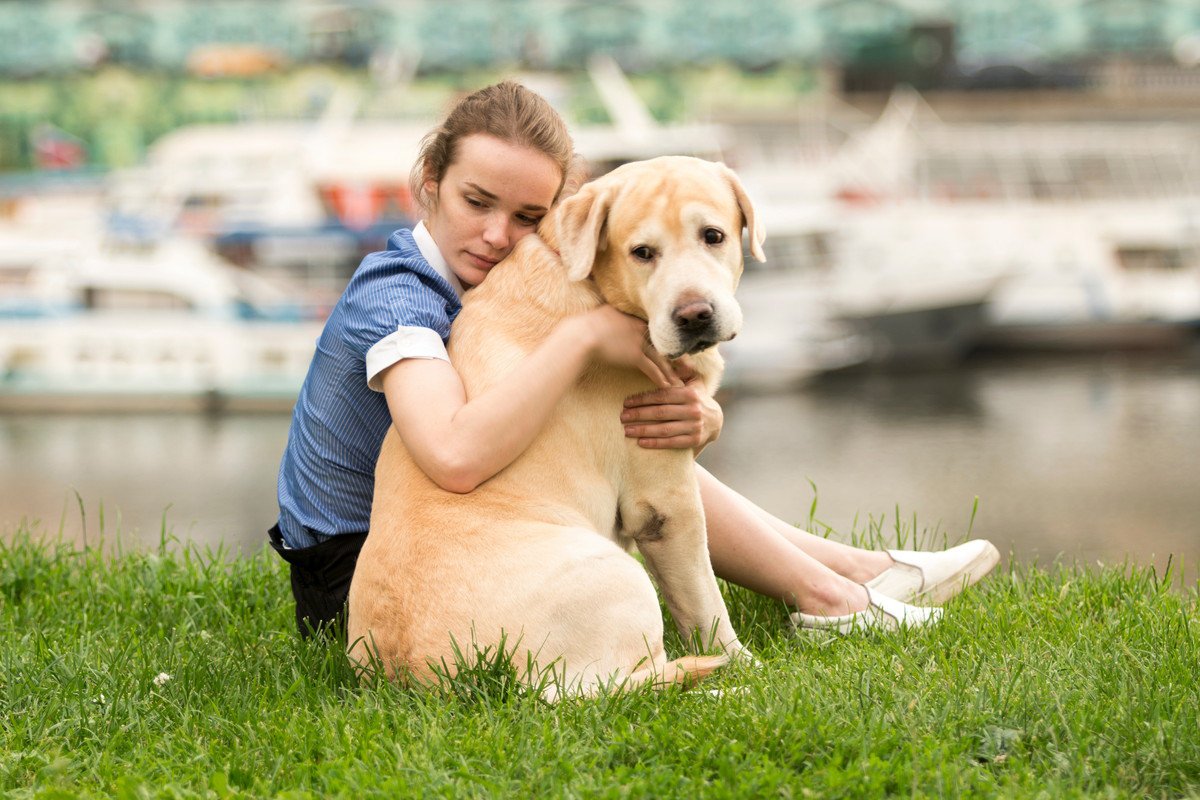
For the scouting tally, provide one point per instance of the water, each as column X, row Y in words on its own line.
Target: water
column 1091, row 458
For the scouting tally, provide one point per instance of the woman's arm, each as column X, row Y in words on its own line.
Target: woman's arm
column 460, row 443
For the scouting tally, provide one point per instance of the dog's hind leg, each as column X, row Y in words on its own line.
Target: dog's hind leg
column 601, row 618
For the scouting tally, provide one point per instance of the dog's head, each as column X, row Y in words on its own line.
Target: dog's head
column 663, row 241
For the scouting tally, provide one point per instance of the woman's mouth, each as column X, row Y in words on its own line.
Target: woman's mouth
column 483, row 263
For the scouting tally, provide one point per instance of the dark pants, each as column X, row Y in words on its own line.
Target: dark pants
column 321, row 580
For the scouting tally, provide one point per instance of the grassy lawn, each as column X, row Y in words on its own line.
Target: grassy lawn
column 1059, row 683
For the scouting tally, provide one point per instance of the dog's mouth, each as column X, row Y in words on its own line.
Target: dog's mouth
column 699, row 346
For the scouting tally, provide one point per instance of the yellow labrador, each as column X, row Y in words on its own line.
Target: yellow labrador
column 536, row 556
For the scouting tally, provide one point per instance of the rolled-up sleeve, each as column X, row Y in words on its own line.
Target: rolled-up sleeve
column 392, row 314
column 406, row 342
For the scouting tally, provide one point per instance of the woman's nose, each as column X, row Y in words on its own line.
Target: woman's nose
column 496, row 232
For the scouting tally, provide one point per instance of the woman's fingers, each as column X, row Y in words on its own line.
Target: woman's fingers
column 654, row 372
column 662, row 430
column 661, row 413
column 669, row 443
column 671, row 395
column 664, row 374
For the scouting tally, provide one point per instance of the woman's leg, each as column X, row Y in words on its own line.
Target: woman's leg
column 748, row 549
column 850, row 562
column 855, row 563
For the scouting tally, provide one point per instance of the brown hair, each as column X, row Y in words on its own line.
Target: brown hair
column 511, row 113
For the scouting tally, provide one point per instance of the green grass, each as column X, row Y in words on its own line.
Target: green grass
column 1039, row 683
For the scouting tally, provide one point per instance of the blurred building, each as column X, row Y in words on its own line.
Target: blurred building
column 979, row 43
column 94, row 82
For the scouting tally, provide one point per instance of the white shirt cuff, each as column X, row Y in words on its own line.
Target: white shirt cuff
column 406, row 342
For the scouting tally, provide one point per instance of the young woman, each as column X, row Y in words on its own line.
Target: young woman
column 485, row 178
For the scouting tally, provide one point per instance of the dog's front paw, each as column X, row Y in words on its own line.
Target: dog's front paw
column 740, row 653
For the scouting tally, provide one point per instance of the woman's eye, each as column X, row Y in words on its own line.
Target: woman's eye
column 530, row 221
column 475, row 201
column 643, row 253
column 713, row 236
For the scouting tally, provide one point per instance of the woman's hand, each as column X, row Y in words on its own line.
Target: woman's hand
column 620, row 339
column 678, row 417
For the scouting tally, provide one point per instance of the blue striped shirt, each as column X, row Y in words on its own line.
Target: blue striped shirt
column 399, row 304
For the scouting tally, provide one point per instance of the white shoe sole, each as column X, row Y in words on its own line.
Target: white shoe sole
column 882, row 613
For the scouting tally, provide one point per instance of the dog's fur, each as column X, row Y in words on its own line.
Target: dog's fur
column 535, row 556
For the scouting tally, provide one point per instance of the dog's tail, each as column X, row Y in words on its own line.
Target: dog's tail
column 686, row 671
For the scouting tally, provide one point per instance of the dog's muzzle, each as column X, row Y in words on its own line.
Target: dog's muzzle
column 696, row 326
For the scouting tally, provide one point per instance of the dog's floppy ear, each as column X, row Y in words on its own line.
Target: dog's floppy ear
column 580, row 228
column 753, row 225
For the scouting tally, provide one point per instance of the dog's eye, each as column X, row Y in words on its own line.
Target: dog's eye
column 643, row 253
column 713, row 235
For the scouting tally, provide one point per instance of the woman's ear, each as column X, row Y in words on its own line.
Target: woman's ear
column 580, row 228
column 429, row 186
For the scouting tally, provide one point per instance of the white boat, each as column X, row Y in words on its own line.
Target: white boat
column 300, row 201
column 1073, row 236
column 863, row 284
column 787, row 337
column 899, row 281
column 170, row 326
column 1102, row 276
column 1103, row 226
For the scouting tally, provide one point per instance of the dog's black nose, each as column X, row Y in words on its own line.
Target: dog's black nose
column 693, row 316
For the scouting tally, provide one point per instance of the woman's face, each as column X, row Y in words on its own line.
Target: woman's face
column 492, row 194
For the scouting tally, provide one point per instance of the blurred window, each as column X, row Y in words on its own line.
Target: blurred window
column 1151, row 259
column 110, row 299
column 15, row 277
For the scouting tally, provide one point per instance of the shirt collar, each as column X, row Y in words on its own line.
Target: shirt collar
column 435, row 258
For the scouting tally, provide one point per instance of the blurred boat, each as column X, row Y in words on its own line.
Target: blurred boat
column 787, row 337
column 302, row 201
column 898, row 279
column 936, row 324
column 1103, row 226
column 846, row 291
column 169, row 326
column 1083, row 235
column 305, row 200
column 146, row 307
column 798, row 328
column 1102, row 276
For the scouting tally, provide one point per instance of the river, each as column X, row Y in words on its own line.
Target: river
column 1087, row 458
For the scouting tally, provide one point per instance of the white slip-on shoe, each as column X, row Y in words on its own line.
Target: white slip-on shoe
column 933, row 577
column 882, row 613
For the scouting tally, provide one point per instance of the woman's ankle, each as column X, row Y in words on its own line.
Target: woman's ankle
column 834, row 599
column 868, row 564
